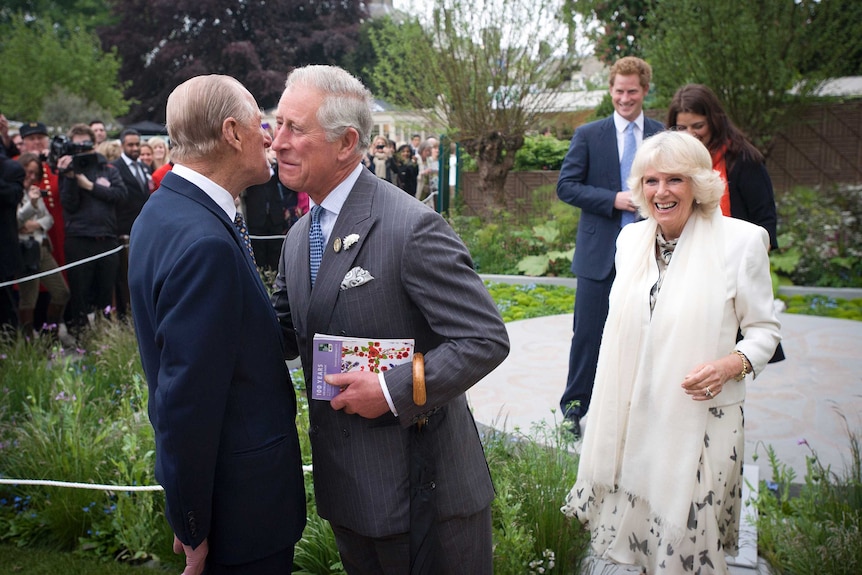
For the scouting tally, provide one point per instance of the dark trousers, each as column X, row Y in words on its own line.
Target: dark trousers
column 91, row 284
column 280, row 563
column 591, row 311
column 8, row 308
column 466, row 544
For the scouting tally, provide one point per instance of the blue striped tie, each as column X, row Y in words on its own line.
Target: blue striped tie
column 315, row 242
column 629, row 149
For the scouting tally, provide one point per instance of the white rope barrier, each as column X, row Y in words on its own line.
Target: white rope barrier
column 95, row 486
column 96, row 257
column 63, row 268
column 73, row 485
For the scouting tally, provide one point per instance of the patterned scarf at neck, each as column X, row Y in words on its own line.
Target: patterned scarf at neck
column 665, row 252
column 665, row 247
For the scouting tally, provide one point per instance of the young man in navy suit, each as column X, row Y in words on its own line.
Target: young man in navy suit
column 592, row 179
column 220, row 398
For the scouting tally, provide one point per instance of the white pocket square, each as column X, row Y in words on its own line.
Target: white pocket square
column 355, row 277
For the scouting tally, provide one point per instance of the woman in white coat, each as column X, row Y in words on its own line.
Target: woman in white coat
column 659, row 482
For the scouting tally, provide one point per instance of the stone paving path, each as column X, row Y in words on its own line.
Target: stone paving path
column 807, row 402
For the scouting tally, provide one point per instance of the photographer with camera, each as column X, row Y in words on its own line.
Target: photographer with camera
column 90, row 190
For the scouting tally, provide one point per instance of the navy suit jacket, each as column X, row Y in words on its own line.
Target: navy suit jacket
column 425, row 288
column 590, row 180
column 220, row 397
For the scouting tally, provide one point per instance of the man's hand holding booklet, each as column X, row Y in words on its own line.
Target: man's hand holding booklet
column 339, row 354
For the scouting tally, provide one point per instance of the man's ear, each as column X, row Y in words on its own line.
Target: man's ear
column 230, row 132
column 347, row 144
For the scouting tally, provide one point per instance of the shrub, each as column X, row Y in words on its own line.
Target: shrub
column 537, row 153
column 820, row 236
column 542, row 246
column 820, row 530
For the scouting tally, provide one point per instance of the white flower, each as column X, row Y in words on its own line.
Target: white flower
column 350, row 240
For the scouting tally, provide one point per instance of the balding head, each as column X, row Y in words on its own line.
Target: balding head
column 196, row 112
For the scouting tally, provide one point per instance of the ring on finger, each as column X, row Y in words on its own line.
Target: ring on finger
column 708, row 392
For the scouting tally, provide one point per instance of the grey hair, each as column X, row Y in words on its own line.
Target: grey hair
column 677, row 153
column 346, row 102
column 198, row 107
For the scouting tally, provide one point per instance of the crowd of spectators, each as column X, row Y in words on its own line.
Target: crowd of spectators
column 412, row 166
column 76, row 206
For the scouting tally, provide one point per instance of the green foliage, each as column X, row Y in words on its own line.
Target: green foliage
column 485, row 71
column 820, row 530
column 820, row 236
column 622, row 25
column 533, row 473
column 499, row 244
column 516, row 302
column 541, row 153
column 316, row 553
column 824, row 306
column 749, row 53
column 39, row 59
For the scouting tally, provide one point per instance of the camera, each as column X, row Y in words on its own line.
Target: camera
column 82, row 154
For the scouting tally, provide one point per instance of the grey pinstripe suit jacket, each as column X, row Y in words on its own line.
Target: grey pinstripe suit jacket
column 425, row 288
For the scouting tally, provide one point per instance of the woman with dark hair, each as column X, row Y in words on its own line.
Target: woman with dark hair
column 748, row 192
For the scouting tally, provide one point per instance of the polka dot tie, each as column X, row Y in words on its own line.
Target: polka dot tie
column 239, row 222
column 315, row 242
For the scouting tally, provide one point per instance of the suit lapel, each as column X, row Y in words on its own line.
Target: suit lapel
column 609, row 149
column 355, row 218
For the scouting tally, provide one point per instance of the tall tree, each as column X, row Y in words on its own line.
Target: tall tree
column 749, row 53
column 165, row 42
column 39, row 60
column 484, row 69
column 618, row 26
column 88, row 14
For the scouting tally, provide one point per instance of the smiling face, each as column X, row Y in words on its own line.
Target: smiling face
column 696, row 125
column 146, row 154
column 670, row 200
column 307, row 162
column 628, row 96
column 160, row 151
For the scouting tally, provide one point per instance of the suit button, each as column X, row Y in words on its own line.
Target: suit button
column 345, row 433
column 313, row 430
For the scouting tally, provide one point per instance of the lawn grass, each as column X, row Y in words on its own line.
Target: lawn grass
column 34, row 561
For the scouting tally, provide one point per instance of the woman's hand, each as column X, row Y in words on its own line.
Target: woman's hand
column 707, row 380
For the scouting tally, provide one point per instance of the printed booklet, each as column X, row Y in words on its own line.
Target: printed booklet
column 337, row 354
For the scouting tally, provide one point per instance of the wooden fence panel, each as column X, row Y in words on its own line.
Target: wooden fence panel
column 822, row 148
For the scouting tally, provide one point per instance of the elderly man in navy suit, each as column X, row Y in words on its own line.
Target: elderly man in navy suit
column 413, row 278
column 593, row 178
column 221, row 401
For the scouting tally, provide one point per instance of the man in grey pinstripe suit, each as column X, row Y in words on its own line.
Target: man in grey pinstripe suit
column 417, row 282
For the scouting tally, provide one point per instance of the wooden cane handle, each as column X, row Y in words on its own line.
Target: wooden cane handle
column 419, row 395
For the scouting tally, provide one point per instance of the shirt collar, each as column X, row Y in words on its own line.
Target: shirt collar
column 333, row 201
column 621, row 123
column 129, row 161
column 218, row 194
